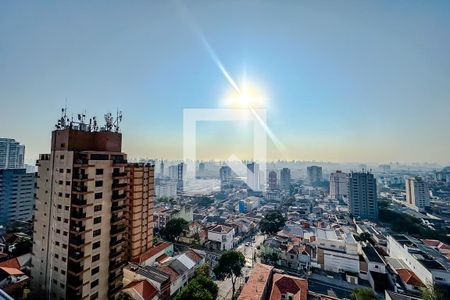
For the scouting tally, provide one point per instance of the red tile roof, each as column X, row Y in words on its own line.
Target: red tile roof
column 284, row 284
column 409, row 277
column 12, row 271
column 152, row 252
column 194, row 256
column 257, row 283
column 169, row 271
column 144, row 288
column 10, row 263
column 437, row 244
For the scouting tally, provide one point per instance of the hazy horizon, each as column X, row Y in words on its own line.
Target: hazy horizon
column 343, row 81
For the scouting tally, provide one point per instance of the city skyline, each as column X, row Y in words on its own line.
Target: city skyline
column 342, row 83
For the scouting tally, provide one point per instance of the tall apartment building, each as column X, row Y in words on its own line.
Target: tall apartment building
column 285, row 179
column 12, row 154
column 417, row 193
column 225, row 177
column 314, row 174
column 16, row 195
column 141, row 194
column 363, row 195
column 338, row 185
column 253, row 176
column 88, row 205
column 273, row 183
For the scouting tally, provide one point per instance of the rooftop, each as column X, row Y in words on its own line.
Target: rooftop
column 257, row 284
column 288, row 285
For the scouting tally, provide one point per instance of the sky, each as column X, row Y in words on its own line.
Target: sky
column 343, row 81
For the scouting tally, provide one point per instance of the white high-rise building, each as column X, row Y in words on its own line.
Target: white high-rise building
column 417, row 193
column 253, row 176
column 12, row 154
column 338, row 185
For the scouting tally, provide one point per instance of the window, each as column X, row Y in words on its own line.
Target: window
column 94, row 283
column 99, row 183
column 96, row 232
column 99, row 172
column 94, row 296
column 97, row 208
column 97, row 220
column 67, row 182
column 61, row 170
column 96, row 245
column 95, row 270
column 98, row 195
column 95, row 257
column 61, row 157
column 68, row 171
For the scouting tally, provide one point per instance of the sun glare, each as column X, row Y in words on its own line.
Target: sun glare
column 248, row 96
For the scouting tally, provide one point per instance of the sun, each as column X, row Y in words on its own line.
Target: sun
column 248, row 96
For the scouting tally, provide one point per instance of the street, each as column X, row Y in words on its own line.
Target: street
column 249, row 250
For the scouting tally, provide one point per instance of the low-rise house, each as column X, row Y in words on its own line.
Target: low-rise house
column 267, row 283
column 158, row 279
column 220, row 237
column 141, row 290
column 337, row 251
column 13, row 281
column 196, row 234
column 181, row 268
column 157, row 252
column 428, row 264
column 289, row 254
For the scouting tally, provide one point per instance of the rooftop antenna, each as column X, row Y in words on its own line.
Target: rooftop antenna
column 109, row 121
column 118, row 120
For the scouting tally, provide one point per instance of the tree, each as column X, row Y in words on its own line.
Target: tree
column 272, row 222
column 270, row 258
column 365, row 236
column 432, row 292
column 174, row 228
column 200, row 287
column 363, row 294
column 230, row 265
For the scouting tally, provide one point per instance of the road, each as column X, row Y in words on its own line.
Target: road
column 249, row 250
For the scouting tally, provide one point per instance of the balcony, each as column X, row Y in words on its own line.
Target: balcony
column 75, row 268
column 117, row 220
column 116, row 197
column 120, row 162
column 117, row 186
column 117, row 207
column 116, row 229
column 115, row 253
column 76, row 255
column 80, row 202
column 116, row 242
column 81, row 177
column 74, row 292
column 77, row 229
column 74, row 282
column 80, row 189
column 117, row 175
column 76, row 241
column 79, row 215
column 116, row 265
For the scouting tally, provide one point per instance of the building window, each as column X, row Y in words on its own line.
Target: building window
column 96, row 245
column 99, row 183
column 94, row 296
column 96, row 232
column 94, row 283
column 95, row 257
column 99, row 172
column 97, row 220
column 95, row 270
column 97, row 208
column 98, row 195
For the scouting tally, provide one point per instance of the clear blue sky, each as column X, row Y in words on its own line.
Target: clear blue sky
column 345, row 80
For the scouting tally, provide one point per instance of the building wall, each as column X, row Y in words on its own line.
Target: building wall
column 12, row 154
column 417, row 193
column 78, row 248
column 338, row 185
column 338, row 262
column 16, row 195
column 363, row 195
column 226, row 239
column 141, row 200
